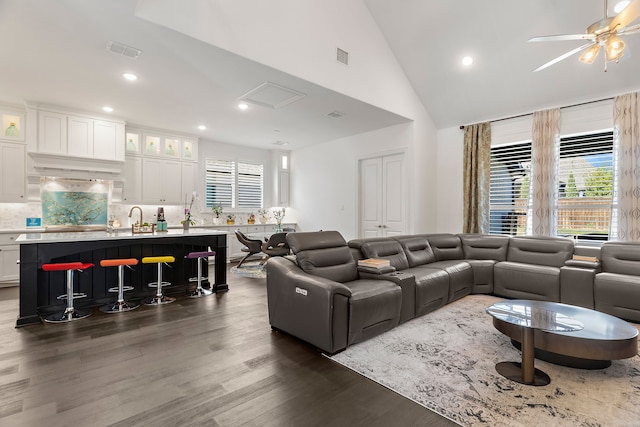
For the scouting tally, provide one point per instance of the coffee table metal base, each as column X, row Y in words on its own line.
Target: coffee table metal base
column 513, row 372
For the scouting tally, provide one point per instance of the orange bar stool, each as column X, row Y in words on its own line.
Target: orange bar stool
column 70, row 313
column 159, row 298
column 201, row 256
column 120, row 304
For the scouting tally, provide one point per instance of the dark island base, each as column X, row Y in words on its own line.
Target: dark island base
column 39, row 289
column 568, row 361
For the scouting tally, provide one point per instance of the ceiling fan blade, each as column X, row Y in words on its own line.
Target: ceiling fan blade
column 564, row 56
column 629, row 30
column 563, row 37
column 627, row 16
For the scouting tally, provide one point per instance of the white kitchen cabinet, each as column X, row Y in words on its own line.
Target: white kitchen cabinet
column 108, row 140
column 9, row 255
column 79, row 136
column 189, row 149
column 52, row 133
column 161, row 181
column 189, row 178
column 82, row 136
column 132, row 174
column 172, row 182
column 13, row 162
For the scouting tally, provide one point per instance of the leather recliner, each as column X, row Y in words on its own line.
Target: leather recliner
column 320, row 297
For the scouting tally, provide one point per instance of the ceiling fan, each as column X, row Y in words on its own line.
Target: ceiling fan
column 604, row 33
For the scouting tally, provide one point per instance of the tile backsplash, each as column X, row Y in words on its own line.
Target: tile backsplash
column 13, row 215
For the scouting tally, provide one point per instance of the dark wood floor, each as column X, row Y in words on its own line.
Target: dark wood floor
column 209, row 361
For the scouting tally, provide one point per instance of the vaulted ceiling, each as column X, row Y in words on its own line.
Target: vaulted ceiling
column 54, row 52
column 430, row 38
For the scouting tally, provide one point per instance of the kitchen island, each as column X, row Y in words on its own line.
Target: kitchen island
column 39, row 290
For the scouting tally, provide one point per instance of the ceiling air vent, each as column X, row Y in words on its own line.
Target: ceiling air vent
column 123, row 49
column 342, row 56
column 335, row 114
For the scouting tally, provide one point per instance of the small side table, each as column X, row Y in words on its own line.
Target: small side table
column 526, row 317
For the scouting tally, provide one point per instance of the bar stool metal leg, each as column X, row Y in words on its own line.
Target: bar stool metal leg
column 120, row 305
column 200, row 257
column 70, row 313
column 159, row 297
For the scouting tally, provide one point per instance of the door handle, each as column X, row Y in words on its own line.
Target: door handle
column 379, row 226
column 384, row 226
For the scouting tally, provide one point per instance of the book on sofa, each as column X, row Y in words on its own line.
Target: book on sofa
column 374, row 262
column 375, row 266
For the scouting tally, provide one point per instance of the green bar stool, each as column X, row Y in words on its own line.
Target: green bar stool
column 120, row 304
column 70, row 313
column 159, row 298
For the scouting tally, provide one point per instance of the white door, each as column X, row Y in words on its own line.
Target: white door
column 382, row 196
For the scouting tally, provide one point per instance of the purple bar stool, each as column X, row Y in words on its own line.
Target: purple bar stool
column 199, row 291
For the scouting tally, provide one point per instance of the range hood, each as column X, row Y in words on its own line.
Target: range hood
column 42, row 164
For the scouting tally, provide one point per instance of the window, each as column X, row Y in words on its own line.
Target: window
column 585, row 180
column 233, row 184
column 249, row 185
column 509, row 188
column 585, row 187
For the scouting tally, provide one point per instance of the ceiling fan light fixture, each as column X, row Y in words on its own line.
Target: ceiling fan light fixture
column 619, row 7
column 614, row 48
column 590, row 54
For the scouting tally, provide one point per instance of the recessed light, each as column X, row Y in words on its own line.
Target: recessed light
column 620, row 6
column 243, row 106
column 467, row 61
column 130, row 76
column 107, row 109
column 202, row 127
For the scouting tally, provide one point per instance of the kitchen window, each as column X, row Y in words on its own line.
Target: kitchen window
column 232, row 184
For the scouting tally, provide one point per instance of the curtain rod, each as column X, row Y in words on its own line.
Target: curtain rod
column 528, row 114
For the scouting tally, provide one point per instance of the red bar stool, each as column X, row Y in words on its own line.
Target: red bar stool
column 120, row 304
column 159, row 298
column 70, row 313
column 199, row 291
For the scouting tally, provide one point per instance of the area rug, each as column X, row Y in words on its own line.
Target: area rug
column 446, row 360
column 250, row 269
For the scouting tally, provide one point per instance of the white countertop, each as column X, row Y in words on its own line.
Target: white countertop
column 120, row 234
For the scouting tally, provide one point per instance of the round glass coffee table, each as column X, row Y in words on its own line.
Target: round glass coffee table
column 519, row 319
column 561, row 334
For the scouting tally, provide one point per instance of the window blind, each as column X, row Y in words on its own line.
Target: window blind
column 509, row 188
column 585, row 186
column 220, row 183
column 250, row 185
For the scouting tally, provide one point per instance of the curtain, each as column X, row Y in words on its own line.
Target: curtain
column 626, row 111
column 477, row 168
column 544, row 172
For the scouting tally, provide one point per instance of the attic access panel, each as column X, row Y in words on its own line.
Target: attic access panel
column 272, row 95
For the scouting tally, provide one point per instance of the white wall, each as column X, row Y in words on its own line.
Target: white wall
column 449, row 177
column 299, row 38
column 324, row 191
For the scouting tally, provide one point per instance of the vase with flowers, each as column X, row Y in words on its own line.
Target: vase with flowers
column 251, row 219
column 278, row 214
column 188, row 219
column 231, row 219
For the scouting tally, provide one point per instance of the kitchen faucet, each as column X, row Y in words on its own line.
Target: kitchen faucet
column 131, row 212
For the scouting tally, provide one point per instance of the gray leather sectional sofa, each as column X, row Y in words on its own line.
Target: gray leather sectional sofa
column 322, row 297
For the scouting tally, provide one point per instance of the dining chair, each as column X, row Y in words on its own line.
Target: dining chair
column 252, row 246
